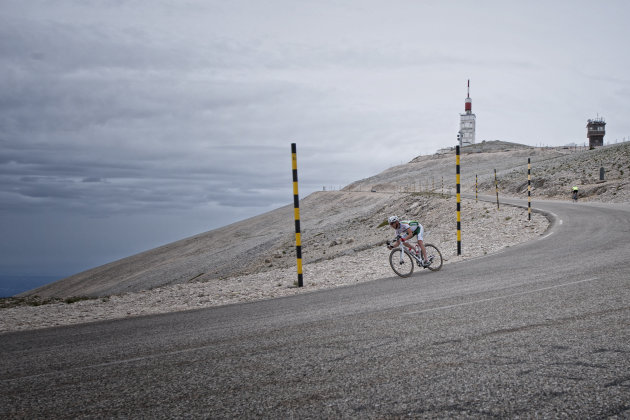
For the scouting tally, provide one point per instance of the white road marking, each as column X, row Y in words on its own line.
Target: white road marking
column 551, row 233
column 529, row 292
column 547, row 235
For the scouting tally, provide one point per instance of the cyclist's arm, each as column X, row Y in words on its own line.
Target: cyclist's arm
column 402, row 237
column 409, row 232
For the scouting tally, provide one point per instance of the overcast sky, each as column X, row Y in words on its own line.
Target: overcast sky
column 125, row 125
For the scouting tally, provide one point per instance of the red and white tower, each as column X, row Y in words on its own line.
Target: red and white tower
column 467, row 122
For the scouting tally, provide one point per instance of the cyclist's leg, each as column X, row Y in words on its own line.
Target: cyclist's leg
column 421, row 242
column 409, row 245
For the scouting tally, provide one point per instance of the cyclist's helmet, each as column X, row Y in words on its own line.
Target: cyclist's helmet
column 393, row 219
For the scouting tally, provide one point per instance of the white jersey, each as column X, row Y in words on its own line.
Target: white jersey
column 402, row 228
column 415, row 226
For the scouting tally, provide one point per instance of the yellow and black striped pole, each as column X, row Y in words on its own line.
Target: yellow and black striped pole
column 457, row 191
column 496, row 186
column 296, row 211
column 529, row 189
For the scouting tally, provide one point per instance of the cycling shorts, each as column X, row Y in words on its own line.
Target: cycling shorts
column 419, row 232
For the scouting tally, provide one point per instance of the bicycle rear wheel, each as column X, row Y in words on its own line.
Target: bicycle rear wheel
column 401, row 262
column 435, row 256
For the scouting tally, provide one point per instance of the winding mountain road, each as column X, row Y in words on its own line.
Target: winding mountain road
column 541, row 329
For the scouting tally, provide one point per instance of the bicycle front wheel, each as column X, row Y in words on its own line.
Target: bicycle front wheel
column 401, row 262
column 435, row 256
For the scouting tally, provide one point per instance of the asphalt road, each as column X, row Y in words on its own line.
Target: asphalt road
column 539, row 330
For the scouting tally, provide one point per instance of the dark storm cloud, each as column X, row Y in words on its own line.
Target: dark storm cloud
column 82, row 106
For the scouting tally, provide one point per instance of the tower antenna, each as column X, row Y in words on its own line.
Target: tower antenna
column 467, row 122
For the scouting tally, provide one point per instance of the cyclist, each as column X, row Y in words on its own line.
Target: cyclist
column 407, row 231
column 574, row 193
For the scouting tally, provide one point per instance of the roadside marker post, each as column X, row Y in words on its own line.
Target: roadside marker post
column 296, row 212
column 458, row 195
column 496, row 186
column 476, row 188
column 529, row 189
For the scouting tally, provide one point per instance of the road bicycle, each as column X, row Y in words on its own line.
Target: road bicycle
column 402, row 259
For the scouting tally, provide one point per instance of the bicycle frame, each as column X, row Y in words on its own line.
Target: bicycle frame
column 403, row 248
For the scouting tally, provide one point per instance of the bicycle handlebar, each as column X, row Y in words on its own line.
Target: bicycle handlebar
column 398, row 237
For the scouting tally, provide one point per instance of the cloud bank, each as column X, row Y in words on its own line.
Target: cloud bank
column 155, row 120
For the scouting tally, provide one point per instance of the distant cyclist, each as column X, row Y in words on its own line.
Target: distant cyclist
column 574, row 193
column 407, row 231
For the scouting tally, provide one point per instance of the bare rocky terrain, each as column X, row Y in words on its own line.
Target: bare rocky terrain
column 342, row 236
column 554, row 171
